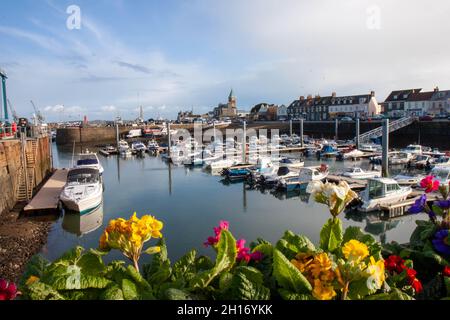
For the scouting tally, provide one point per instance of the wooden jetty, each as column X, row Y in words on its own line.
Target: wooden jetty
column 47, row 199
column 354, row 184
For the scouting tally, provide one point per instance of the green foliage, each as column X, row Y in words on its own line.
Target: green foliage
column 288, row 276
column 226, row 257
column 331, row 235
column 291, row 244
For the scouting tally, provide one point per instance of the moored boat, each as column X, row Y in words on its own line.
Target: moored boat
column 83, row 191
column 382, row 192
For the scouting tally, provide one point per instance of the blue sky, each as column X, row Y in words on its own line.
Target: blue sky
column 172, row 55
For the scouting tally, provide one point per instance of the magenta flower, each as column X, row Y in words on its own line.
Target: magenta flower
column 429, row 184
column 212, row 241
column 244, row 253
column 8, row 290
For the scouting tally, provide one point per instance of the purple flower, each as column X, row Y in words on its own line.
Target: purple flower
column 443, row 204
column 419, row 204
column 441, row 242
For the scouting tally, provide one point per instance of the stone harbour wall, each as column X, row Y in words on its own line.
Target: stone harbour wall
column 10, row 164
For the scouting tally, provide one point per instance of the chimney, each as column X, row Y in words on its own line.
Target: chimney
column 302, row 98
column 436, row 89
column 372, row 93
column 333, row 94
column 309, row 97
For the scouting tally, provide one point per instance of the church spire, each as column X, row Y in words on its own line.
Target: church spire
column 231, row 96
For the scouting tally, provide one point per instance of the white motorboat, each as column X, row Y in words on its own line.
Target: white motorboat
column 264, row 165
column 408, row 180
column 400, row 158
column 222, row 164
column 442, row 174
column 138, row 147
column 152, row 145
column 358, row 173
column 304, row 177
column 83, row 191
column 89, row 160
column 124, row 148
column 420, row 161
column 291, row 163
column 272, row 178
column 353, row 154
column 413, row 149
column 80, row 225
column 443, row 161
column 370, row 147
column 380, row 192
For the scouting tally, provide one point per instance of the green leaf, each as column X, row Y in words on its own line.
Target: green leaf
column 242, row 288
column 91, row 264
column 288, row 276
column 129, row 290
column 289, row 295
column 396, row 294
column 225, row 280
column 41, row 291
column 112, row 293
column 177, row 294
column 185, row 265
column 159, row 270
column 226, row 257
column 447, row 285
column 203, row 263
column 265, row 248
column 331, row 235
column 251, row 273
column 437, row 210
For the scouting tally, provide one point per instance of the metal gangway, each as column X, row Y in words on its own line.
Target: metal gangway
column 393, row 126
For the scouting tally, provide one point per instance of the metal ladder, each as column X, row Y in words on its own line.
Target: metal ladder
column 393, row 126
column 24, row 192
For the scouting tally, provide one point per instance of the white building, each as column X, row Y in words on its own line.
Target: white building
column 361, row 106
column 282, row 112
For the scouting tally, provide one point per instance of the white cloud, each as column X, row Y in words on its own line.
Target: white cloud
column 108, row 108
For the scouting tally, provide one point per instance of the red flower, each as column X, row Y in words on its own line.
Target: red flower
column 212, row 241
column 394, row 264
column 8, row 290
column 417, row 285
column 429, row 184
column 411, row 273
column 446, row 271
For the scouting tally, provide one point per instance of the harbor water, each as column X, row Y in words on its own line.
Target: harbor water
column 191, row 201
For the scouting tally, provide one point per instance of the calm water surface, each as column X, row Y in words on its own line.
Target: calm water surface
column 191, row 202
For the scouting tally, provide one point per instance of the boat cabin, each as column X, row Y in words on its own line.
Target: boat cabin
column 83, row 176
column 382, row 187
column 87, row 159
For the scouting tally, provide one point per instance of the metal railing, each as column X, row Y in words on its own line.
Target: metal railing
column 393, row 126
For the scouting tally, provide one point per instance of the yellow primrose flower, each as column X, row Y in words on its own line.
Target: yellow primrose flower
column 320, row 264
column 323, row 290
column 130, row 235
column 375, row 270
column 355, row 250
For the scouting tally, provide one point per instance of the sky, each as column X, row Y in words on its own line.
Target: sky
column 180, row 55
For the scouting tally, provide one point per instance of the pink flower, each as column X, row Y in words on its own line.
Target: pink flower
column 244, row 254
column 429, row 184
column 212, row 241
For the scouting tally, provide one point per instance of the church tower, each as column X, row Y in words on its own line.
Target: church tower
column 231, row 100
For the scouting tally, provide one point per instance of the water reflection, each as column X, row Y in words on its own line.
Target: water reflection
column 80, row 225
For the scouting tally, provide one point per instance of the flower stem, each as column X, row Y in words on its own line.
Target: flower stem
column 345, row 290
column 136, row 266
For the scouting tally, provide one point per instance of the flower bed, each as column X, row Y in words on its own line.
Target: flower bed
column 346, row 264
